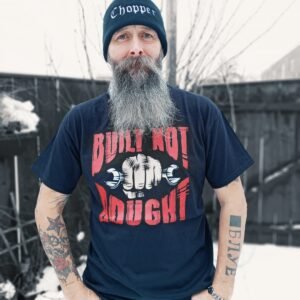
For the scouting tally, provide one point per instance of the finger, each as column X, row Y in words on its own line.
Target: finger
column 150, row 172
column 127, row 168
column 149, row 177
column 139, row 172
column 157, row 172
column 129, row 194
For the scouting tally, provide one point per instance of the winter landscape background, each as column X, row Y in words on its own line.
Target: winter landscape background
column 51, row 59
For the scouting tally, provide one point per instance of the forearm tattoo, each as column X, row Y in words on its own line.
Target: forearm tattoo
column 234, row 244
column 57, row 247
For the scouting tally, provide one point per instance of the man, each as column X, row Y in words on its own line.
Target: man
column 145, row 149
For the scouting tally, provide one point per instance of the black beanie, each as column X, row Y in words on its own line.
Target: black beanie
column 122, row 13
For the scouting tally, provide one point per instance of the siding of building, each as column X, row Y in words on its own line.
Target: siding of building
column 287, row 67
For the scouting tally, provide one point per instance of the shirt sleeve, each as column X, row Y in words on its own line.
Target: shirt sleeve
column 226, row 157
column 58, row 166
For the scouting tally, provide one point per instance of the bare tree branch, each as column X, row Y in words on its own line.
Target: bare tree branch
column 255, row 39
column 84, row 41
column 217, row 51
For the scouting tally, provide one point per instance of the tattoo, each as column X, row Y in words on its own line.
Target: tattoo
column 235, row 221
column 57, row 248
column 55, row 224
column 234, row 244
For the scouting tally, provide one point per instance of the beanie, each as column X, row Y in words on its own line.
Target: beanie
column 122, row 13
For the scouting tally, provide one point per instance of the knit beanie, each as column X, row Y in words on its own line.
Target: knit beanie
column 122, row 13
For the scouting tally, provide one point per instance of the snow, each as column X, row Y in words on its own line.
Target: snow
column 267, row 272
column 264, row 272
column 49, row 281
column 278, row 173
column 12, row 110
column 51, row 295
column 48, row 286
column 80, row 236
column 7, row 290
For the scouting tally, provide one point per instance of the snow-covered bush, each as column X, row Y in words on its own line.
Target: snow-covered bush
column 12, row 110
column 7, row 290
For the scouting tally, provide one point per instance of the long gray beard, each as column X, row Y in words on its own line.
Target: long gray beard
column 139, row 96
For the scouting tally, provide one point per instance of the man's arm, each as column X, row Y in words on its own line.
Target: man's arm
column 54, row 238
column 232, row 223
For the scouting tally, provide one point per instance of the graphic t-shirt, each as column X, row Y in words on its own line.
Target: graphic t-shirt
column 149, row 234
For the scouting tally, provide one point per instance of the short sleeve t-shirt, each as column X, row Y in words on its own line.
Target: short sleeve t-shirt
column 149, row 234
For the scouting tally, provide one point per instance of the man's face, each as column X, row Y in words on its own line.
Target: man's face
column 134, row 41
column 139, row 96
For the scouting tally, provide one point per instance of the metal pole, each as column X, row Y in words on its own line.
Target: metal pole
column 171, row 12
column 17, row 191
column 261, row 186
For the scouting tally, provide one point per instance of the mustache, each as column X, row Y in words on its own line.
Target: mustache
column 137, row 66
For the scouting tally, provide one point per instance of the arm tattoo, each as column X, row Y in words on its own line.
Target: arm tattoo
column 55, row 224
column 234, row 244
column 56, row 245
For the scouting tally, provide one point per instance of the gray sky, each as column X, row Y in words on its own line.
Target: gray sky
column 35, row 34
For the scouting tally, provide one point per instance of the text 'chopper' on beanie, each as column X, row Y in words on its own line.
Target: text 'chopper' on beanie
column 122, row 13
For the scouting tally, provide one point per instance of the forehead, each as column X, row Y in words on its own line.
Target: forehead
column 134, row 27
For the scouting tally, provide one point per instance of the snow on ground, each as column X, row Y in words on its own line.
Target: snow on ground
column 48, row 287
column 265, row 272
column 12, row 110
column 7, row 290
column 80, row 236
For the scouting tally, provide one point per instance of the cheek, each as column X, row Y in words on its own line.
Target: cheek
column 154, row 50
column 117, row 53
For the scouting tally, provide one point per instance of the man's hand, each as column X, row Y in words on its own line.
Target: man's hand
column 80, row 292
column 204, row 295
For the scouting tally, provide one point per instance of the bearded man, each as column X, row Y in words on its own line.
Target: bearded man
column 145, row 150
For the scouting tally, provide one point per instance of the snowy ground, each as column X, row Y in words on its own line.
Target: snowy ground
column 265, row 272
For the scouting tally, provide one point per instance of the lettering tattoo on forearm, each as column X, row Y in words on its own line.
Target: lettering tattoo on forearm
column 234, row 244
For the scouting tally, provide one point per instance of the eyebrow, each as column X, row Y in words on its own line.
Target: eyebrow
column 126, row 27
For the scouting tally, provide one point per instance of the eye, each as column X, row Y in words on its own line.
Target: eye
column 121, row 37
column 148, row 36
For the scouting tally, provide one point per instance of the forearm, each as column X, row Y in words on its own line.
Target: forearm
column 232, row 222
column 54, row 238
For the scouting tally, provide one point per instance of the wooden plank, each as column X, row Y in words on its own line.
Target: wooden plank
column 253, row 191
column 262, row 107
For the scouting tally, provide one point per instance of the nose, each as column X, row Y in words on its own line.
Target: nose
column 136, row 48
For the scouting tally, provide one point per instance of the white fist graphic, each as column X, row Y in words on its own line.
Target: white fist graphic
column 140, row 172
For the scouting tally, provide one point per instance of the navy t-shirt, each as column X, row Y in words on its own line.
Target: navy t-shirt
column 149, row 234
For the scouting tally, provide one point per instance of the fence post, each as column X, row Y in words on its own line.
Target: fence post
column 260, row 186
column 17, row 205
column 19, row 226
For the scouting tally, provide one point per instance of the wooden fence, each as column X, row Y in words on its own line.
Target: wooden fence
column 266, row 118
